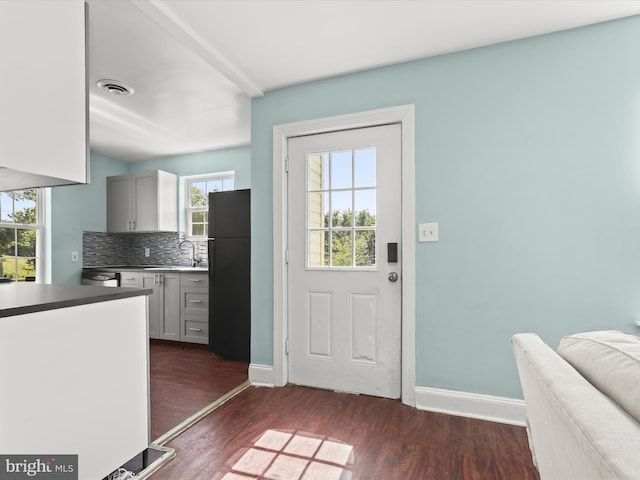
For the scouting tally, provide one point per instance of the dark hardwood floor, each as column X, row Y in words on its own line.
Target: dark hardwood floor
column 185, row 378
column 301, row 433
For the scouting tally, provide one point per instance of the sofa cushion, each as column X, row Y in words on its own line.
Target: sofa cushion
column 609, row 360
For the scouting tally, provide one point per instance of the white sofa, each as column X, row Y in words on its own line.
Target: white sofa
column 583, row 404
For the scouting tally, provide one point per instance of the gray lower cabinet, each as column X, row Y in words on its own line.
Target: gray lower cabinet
column 131, row 279
column 179, row 305
column 164, row 305
column 194, row 307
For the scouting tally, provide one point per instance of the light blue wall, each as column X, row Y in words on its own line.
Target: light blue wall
column 236, row 159
column 76, row 208
column 528, row 156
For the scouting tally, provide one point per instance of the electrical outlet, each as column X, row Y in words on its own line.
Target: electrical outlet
column 74, row 256
column 428, row 232
column 146, row 252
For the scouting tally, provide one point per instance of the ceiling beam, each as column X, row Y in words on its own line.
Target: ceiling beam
column 160, row 13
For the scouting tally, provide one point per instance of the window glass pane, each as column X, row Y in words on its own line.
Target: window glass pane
column 198, row 229
column 26, row 268
column 214, row 186
column 9, row 267
column 365, row 208
column 228, row 184
column 341, row 170
column 198, row 194
column 7, row 241
column 318, row 248
column 341, row 248
column 25, row 207
column 365, row 248
column 6, row 207
column 26, row 243
column 341, row 209
column 198, row 217
column 365, row 168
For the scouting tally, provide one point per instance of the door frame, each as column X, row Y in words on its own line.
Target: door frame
column 405, row 115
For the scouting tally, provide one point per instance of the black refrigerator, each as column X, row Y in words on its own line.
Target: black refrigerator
column 229, row 246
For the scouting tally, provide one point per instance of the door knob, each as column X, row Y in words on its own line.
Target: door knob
column 393, row 277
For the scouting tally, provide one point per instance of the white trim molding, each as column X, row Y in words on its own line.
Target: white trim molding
column 405, row 116
column 261, row 375
column 472, row 405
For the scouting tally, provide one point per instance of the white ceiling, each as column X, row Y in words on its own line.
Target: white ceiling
column 195, row 64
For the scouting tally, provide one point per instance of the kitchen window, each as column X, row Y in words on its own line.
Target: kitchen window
column 198, row 190
column 21, row 231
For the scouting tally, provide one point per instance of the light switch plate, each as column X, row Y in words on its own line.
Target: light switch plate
column 74, row 256
column 428, row 232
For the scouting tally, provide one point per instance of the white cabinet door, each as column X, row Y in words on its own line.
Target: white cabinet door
column 44, row 115
column 145, row 202
column 170, row 323
column 118, row 204
column 164, row 305
column 156, row 300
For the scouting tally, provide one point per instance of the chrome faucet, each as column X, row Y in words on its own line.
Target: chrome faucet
column 194, row 259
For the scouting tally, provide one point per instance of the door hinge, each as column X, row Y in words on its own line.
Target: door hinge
column 286, row 255
column 286, row 164
column 286, row 346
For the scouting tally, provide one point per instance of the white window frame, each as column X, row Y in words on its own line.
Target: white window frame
column 189, row 210
column 39, row 227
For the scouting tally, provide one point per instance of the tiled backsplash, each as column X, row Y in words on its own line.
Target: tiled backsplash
column 101, row 249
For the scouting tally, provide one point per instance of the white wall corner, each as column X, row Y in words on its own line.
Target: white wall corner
column 262, row 375
column 473, row 405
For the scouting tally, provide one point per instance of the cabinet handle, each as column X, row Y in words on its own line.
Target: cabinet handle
column 194, row 279
column 195, row 329
column 195, row 301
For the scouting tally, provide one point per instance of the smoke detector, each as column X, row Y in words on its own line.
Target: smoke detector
column 115, row 87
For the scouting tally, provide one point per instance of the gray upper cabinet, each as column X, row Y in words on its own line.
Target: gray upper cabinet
column 43, row 125
column 142, row 202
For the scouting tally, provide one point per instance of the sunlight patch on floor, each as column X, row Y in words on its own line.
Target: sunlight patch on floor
column 281, row 455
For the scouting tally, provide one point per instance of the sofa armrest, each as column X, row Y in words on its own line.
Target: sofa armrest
column 576, row 431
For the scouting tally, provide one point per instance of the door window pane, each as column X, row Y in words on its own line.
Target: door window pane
column 365, row 168
column 341, row 209
column 365, row 248
column 365, row 208
column 341, row 249
column 341, row 170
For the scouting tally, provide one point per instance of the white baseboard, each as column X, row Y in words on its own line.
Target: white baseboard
column 463, row 404
column 473, row 405
column 262, row 375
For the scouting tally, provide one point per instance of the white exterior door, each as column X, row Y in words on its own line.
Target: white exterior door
column 344, row 239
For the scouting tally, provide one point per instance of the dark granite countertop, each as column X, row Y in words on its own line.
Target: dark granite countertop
column 21, row 298
column 157, row 268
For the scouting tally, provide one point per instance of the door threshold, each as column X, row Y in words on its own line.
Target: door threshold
column 178, row 429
